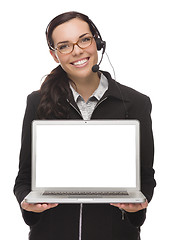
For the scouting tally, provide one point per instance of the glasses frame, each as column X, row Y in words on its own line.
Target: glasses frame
column 76, row 43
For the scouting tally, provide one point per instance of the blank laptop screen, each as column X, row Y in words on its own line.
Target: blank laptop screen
column 85, row 156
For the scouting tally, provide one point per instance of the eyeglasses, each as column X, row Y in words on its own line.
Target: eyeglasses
column 68, row 47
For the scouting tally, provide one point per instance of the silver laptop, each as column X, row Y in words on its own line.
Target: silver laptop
column 76, row 161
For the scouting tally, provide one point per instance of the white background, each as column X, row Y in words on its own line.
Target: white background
column 137, row 42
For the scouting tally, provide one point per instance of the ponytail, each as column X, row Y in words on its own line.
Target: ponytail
column 54, row 93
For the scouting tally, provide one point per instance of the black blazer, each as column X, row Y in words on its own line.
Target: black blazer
column 100, row 221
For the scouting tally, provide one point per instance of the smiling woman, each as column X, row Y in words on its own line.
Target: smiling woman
column 83, row 56
column 73, row 90
column 73, row 41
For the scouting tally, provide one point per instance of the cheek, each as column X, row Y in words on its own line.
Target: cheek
column 63, row 59
column 93, row 48
column 93, row 51
column 94, row 55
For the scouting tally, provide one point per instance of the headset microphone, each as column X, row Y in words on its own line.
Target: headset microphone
column 95, row 68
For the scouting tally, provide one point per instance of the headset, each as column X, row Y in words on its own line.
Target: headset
column 101, row 45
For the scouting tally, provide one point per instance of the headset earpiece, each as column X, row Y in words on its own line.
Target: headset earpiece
column 100, row 44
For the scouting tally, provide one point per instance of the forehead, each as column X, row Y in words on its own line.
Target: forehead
column 70, row 31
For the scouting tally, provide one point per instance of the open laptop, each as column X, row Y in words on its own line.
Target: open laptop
column 76, row 161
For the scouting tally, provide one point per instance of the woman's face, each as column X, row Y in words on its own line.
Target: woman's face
column 79, row 62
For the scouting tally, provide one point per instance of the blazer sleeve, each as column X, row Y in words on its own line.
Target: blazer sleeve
column 23, row 180
column 148, row 182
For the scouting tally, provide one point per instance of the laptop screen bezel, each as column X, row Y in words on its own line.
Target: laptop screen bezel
column 35, row 123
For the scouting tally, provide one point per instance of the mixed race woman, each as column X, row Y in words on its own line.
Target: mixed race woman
column 74, row 91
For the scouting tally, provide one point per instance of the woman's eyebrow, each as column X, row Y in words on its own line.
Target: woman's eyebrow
column 83, row 35
column 69, row 41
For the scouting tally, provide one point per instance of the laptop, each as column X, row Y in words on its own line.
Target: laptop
column 77, row 161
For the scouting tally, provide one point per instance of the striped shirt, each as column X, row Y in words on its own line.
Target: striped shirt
column 87, row 108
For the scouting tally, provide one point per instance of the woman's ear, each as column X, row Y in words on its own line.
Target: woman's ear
column 54, row 56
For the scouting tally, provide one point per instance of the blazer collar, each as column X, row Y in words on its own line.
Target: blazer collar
column 115, row 89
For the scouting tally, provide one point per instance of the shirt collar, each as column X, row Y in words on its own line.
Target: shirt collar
column 102, row 88
column 75, row 94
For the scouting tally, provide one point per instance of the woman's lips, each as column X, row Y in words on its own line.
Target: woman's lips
column 81, row 62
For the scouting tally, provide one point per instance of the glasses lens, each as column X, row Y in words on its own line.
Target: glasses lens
column 85, row 42
column 65, row 47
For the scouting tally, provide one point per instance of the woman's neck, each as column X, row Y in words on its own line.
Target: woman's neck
column 86, row 87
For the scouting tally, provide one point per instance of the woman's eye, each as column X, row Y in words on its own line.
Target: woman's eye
column 63, row 46
column 86, row 39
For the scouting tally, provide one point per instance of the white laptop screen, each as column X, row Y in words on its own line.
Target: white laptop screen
column 85, row 156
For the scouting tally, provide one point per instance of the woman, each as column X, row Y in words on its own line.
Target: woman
column 74, row 91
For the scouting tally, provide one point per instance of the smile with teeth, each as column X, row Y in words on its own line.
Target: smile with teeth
column 80, row 62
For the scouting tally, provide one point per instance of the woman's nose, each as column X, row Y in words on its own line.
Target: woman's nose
column 77, row 50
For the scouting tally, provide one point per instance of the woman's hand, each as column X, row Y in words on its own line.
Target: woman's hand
column 38, row 208
column 131, row 207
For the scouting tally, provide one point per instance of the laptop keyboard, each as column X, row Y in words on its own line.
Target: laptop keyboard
column 52, row 193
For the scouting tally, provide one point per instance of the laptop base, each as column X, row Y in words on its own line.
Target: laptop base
column 38, row 197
